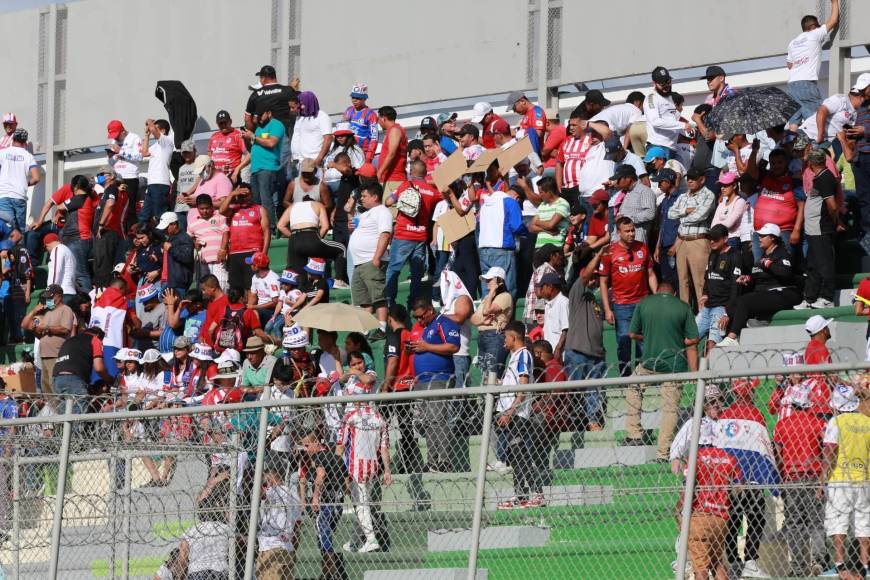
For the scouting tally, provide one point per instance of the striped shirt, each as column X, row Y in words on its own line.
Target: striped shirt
column 639, row 204
column 546, row 211
column 210, row 231
column 519, row 365
column 697, row 222
column 364, row 435
column 572, row 156
column 863, row 120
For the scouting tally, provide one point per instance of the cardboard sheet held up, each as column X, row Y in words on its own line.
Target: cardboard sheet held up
column 452, row 169
column 455, row 226
column 482, row 163
column 513, row 155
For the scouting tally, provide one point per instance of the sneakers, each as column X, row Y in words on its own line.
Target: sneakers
column 511, row 504
column 751, row 570
column 340, row 285
column 804, row 305
column 629, row 442
column 535, row 502
column 499, row 467
column 728, row 341
column 369, row 546
column 349, row 547
column 822, row 303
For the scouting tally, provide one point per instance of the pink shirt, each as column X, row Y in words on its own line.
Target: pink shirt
column 209, row 231
column 218, row 187
column 807, row 176
column 730, row 215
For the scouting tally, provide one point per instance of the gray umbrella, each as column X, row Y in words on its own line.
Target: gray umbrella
column 751, row 110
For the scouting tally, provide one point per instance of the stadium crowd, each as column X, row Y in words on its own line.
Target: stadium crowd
column 161, row 290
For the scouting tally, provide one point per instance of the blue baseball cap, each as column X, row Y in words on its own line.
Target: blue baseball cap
column 655, row 152
column 147, row 292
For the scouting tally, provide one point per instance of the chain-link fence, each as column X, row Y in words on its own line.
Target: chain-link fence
column 556, row 480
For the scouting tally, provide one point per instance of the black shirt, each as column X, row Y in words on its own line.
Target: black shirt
column 21, row 269
column 720, row 278
column 817, row 218
column 76, row 356
column 332, row 491
column 311, row 285
column 276, row 97
column 345, row 189
column 773, row 270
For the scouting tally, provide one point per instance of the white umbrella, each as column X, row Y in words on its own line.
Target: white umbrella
column 336, row 316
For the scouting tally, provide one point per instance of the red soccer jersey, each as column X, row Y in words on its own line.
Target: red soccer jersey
column 799, row 437
column 214, row 313
column 627, row 269
column 226, row 150
column 555, row 137
column 487, row 136
column 395, row 347
column 246, row 230
column 776, row 203
column 80, row 214
column 597, row 226
column 535, row 118
column 415, row 229
column 864, row 292
column 817, row 353
column 716, row 471
column 741, row 411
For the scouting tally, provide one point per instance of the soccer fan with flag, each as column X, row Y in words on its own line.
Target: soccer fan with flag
column 363, row 120
column 109, row 313
column 743, row 435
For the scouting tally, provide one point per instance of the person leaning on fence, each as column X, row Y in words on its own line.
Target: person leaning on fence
column 845, row 460
column 279, row 524
column 205, row 545
column 666, row 326
column 78, row 358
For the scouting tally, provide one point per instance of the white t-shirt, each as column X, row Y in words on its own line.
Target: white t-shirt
column 519, row 365
column 287, row 299
column 308, row 135
column 278, row 516
column 840, row 112
column 209, row 546
column 440, row 209
column 555, row 319
column 126, row 164
column 62, row 268
column 364, row 239
column 160, row 153
column 595, row 170
column 619, row 117
column 266, row 288
column 805, row 54
column 15, row 165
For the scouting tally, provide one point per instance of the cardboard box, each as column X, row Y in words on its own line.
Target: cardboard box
column 22, row 382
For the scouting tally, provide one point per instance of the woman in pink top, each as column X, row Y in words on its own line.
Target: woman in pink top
column 730, row 210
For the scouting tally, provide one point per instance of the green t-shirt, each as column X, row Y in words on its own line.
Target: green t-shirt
column 546, row 211
column 665, row 322
column 266, row 158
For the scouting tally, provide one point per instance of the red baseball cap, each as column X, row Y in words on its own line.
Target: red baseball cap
column 499, row 127
column 367, row 170
column 259, row 260
column 599, row 196
column 49, row 238
column 744, row 387
column 114, row 128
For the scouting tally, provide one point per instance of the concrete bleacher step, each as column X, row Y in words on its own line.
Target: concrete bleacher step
column 604, row 457
column 495, row 538
column 843, row 297
column 425, row 574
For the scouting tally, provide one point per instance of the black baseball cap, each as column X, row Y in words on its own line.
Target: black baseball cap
column 665, row 174
column 266, row 70
column 470, row 129
column 428, row 123
column 661, row 75
column 624, row 170
column 634, row 96
column 612, row 146
column 596, row 97
column 694, row 173
column 718, row 232
column 713, row 72
column 222, row 116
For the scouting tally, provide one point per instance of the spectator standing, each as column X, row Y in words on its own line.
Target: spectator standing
column 10, row 124
column 61, row 266
column 556, row 318
column 663, row 124
column 666, row 326
column 177, row 254
column 821, row 223
column 693, row 209
column 491, row 318
column 21, row 276
column 277, row 98
column 159, row 155
column 834, row 114
column 368, row 250
column 266, row 143
column 468, row 140
column 125, row 157
column 78, row 203
column 432, row 156
column 18, row 172
column 556, row 135
column 411, row 229
column 77, row 359
column 391, row 162
column 110, row 217
column 206, row 229
column 551, row 220
column 189, row 175
column 635, row 201
column 306, row 223
column 724, row 267
column 363, row 121
column 52, row 322
column 861, row 162
column 626, row 268
column 533, row 120
column 227, row 148
column 778, row 203
column 312, row 131
column 248, row 233
column 483, row 114
column 500, row 223
column 151, row 318
column 730, row 209
column 211, row 182
column 803, row 61
column 615, row 120
column 666, row 246
column 279, row 524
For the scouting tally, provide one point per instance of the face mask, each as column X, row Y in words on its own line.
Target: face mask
column 101, row 180
column 49, row 303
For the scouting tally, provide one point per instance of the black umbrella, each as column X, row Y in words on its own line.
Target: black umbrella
column 751, row 110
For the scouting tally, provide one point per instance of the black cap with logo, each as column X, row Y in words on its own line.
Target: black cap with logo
column 661, row 75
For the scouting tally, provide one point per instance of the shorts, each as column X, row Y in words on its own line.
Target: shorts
column 708, row 323
column 275, row 564
column 848, row 505
column 706, row 540
column 327, row 520
column 368, row 284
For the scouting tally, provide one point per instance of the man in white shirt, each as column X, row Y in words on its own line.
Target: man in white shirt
column 18, row 171
column 160, row 153
column 61, row 266
column 833, row 114
column 616, row 120
column 125, row 157
column 556, row 322
column 280, row 519
column 803, row 61
column 663, row 125
column 368, row 249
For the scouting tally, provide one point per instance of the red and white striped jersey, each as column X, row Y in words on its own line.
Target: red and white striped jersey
column 363, row 435
column 572, row 156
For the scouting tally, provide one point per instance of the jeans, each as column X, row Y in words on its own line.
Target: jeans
column 441, row 259
column 807, row 94
column 579, row 366
column 861, row 170
column 524, row 257
column 156, row 202
column 81, row 249
column 275, row 327
column 668, row 267
column 622, row 314
column 264, row 188
column 490, row 353
column 71, row 385
column 14, row 211
column 708, row 323
column 461, row 366
column 14, row 309
column 33, row 240
column 505, row 259
column 402, row 251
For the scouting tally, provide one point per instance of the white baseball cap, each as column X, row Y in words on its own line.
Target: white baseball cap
column 151, row 355
column 494, row 272
column 769, row 230
column 169, row 217
column 816, row 324
column 479, row 111
column 844, row 399
column 230, row 355
column 202, row 352
column 294, row 337
column 861, row 82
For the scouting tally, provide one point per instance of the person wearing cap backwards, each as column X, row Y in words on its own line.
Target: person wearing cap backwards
column 10, row 124
column 156, row 200
column 363, row 120
column 265, row 288
column 846, row 445
column 533, row 121
column 616, row 120
column 247, row 234
column 773, row 286
column 178, row 254
column 391, row 161
column 61, row 266
column 821, row 224
column 52, row 322
column 227, row 148
column 803, row 61
column 18, row 172
column 483, row 114
column 663, row 123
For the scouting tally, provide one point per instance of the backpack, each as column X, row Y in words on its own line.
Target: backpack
column 410, row 201
column 230, row 332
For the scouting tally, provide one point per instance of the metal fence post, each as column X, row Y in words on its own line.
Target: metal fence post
column 113, row 497
column 258, row 484
column 16, row 516
column 689, row 488
column 234, row 504
column 128, row 507
column 480, row 486
column 57, row 521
